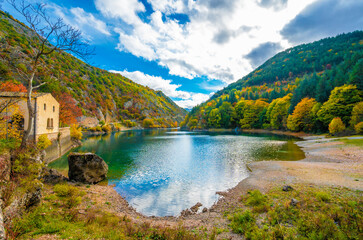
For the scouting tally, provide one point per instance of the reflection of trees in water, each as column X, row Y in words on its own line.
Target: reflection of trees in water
column 276, row 150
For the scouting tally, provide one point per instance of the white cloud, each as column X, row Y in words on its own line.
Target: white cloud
column 213, row 43
column 197, row 98
column 83, row 18
column 126, row 10
column 189, row 99
column 86, row 22
column 156, row 83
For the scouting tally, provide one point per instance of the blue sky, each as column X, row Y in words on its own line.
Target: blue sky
column 192, row 48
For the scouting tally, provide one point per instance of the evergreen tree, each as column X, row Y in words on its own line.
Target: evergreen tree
column 356, row 76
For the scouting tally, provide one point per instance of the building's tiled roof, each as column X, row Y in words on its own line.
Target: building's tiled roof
column 21, row 94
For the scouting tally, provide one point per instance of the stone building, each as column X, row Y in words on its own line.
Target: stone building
column 46, row 107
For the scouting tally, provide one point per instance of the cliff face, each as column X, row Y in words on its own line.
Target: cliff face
column 98, row 93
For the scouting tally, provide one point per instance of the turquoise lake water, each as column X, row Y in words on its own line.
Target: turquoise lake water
column 162, row 172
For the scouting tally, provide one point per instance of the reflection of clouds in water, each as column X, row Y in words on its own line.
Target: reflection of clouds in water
column 161, row 173
column 176, row 174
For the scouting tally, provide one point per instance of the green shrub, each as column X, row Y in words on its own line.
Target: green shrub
column 322, row 196
column 243, row 222
column 336, row 126
column 69, row 194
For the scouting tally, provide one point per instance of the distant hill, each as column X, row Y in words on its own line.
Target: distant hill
column 98, row 93
column 308, row 70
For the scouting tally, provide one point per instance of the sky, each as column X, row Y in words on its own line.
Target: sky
column 190, row 49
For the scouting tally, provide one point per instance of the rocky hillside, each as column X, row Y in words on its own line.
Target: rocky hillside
column 96, row 93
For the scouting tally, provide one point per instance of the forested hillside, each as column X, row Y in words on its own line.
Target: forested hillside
column 81, row 89
column 300, row 89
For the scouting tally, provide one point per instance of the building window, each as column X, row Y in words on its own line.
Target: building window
column 53, row 109
column 50, row 123
column 45, row 106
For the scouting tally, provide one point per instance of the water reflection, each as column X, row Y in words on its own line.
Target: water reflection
column 163, row 172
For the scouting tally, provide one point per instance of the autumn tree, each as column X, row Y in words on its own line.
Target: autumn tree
column 214, row 118
column 192, row 123
column 48, row 36
column 148, row 123
column 302, row 119
column 68, row 109
column 277, row 112
column 336, row 126
column 357, row 114
column 252, row 114
column 10, row 86
column 340, row 104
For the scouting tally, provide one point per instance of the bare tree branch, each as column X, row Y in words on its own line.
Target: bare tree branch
column 49, row 36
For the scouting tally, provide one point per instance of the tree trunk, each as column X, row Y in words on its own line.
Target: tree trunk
column 30, row 112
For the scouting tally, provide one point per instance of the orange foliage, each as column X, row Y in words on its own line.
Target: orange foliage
column 68, row 110
column 10, row 86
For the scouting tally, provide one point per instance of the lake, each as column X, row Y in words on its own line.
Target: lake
column 162, row 172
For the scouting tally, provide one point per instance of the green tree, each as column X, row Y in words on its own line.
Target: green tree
column 356, row 76
column 214, row 118
column 226, row 111
column 340, row 104
column 252, row 114
column 302, row 119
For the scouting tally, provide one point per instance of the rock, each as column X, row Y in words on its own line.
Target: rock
column 287, row 188
column 195, row 208
column 2, row 228
column 294, row 202
column 22, row 202
column 205, row 210
column 186, row 213
column 52, row 176
column 86, row 168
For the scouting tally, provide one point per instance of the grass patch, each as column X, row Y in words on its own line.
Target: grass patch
column 356, row 142
column 321, row 213
column 61, row 214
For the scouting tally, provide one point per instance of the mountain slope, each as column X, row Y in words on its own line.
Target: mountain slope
column 308, row 70
column 96, row 92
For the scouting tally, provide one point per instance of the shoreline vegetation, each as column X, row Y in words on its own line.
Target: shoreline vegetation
column 328, row 179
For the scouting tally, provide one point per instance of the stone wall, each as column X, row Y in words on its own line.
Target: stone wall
column 60, row 145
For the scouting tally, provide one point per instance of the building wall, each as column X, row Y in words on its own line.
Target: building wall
column 47, row 108
column 20, row 107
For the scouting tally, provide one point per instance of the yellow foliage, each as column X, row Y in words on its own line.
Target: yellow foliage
column 302, row 117
column 148, row 123
column 12, row 128
column 359, row 128
column 43, row 142
column 76, row 132
column 336, row 126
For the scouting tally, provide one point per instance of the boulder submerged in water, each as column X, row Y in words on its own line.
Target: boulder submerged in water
column 86, row 168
